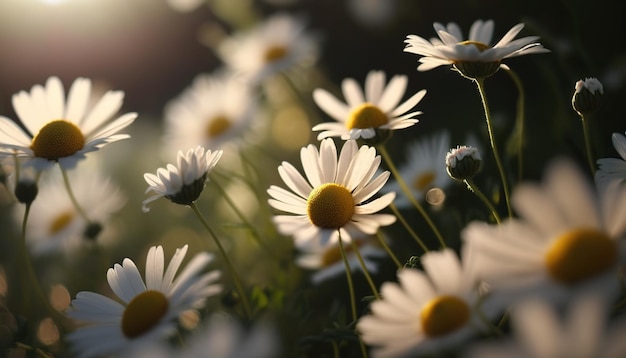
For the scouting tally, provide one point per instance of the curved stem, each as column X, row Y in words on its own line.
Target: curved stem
column 229, row 264
column 519, row 120
column 588, row 143
column 474, row 189
column 383, row 243
column 368, row 277
column 408, row 227
column 68, row 187
column 394, row 171
column 480, row 82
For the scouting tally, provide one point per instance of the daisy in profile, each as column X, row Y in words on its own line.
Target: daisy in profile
column 613, row 168
column 334, row 198
column 182, row 183
column 59, row 130
column 327, row 262
column 540, row 332
column 566, row 239
column 148, row 310
column 376, row 107
column 474, row 57
column 214, row 110
column 279, row 43
column 425, row 168
column 426, row 311
column 54, row 222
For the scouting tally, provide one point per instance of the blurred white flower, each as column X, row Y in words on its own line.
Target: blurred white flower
column 149, row 310
column 613, row 168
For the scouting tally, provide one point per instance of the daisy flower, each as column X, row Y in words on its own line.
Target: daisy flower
column 567, row 237
column 182, row 183
column 277, row 44
column 613, row 168
column 54, row 224
column 60, row 131
column 149, row 310
column 540, row 332
column 587, row 95
column 214, row 110
column 328, row 263
column 334, row 198
column 451, row 48
column 426, row 311
column 377, row 107
column 425, row 168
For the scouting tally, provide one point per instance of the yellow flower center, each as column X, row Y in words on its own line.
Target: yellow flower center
column 580, row 254
column 366, row 115
column 330, row 206
column 275, row 53
column 143, row 313
column 217, row 126
column 61, row 222
column 57, row 139
column 443, row 315
column 479, row 45
column 424, row 180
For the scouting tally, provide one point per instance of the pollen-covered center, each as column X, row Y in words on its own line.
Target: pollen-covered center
column 424, row 180
column 443, row 315
column 217, row 126
column 580, row 254
column 57, row 139
column 366, row 115
column 330, row 206
column 143, row 313
column 60, row 222
column 479, row 45
column 275, row 53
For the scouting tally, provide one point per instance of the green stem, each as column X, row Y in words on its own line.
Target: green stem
column 68, row 187
column 394, row 171
column 408, row 227
column 519, row 120
column 474, row 189
column 229, row 264
column 588, row 143
column 368, row 277
column 383, row 243
column 480, row 82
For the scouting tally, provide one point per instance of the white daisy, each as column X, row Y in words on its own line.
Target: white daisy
column 567, row 237
column 540, row 332
column 54, row 224
column 426, row 311
column 182, row 183
column 451, row 48
column 425, row 168
column 148, row 311
column 60, row 131
column 365, row 111
column 279, row 43
column 214, row 110
column 328, row 263
column 613, row 168
column 334, row 197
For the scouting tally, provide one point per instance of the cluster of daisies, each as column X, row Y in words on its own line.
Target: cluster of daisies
column 562, row 245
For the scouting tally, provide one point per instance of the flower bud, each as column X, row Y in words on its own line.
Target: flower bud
column 26, row 191
column 463, row 162
column 587, row 95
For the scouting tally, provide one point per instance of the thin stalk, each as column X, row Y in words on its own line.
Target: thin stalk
column 480, row 83
column 229, row 264
column 407, row 191
column 588, row 143
column 68, row 187
column 408, row 227
column 519, row 120
column 368, row 277
column 474, row 189
column 383, row 243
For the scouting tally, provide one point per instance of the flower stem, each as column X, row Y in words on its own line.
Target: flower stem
column 229, row 264
column 588, row 143
column 383, row 243
column 68, row 187
column 368, row 277
column 519, row 120
column 480, row 83
column 394, row 171
column 408, row 227
column 474, row 189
